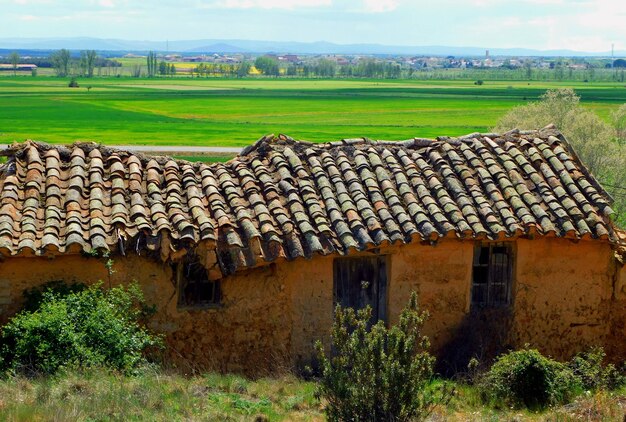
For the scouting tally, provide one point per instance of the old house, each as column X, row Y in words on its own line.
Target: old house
column 508, row 240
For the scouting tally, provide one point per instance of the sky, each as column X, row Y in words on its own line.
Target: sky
column 581, row 25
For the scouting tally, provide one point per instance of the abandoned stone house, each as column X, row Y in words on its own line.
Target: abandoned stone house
column 245, row 260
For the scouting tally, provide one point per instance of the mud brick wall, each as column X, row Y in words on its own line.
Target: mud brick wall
column 566, row 296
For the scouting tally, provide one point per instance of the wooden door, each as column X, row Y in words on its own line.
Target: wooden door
column 362, row 281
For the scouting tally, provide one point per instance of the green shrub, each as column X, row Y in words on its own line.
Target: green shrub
column 34, row 297
column 593, row 374
column 92, row 327
column 73, row 83
column 527, row 378
column 378, row 374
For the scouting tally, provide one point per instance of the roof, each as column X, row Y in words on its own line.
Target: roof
column 287, row 198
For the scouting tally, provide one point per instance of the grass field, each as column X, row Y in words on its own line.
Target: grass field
column 159, row 396
column 226, row 112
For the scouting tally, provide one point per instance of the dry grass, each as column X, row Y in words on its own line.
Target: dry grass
column 105, row 396
column 160, row 396
column 591, row 407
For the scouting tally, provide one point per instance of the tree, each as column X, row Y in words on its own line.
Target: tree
column 618, row 118
column 591, row 71
column 591, row 138
column 88, row 62
column 619, row 63
column 292, row 70
column 172, row 69
column 135, row 71
column 528, row 66
column 14, row 58
column 162, row 68
column 559, row 71
column 243, row 69
column 61, row 62
column 267, row 65
column 152, row 64
column 326, row 68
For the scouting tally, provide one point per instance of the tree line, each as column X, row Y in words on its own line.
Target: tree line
column 87, row 61
column 84, row 65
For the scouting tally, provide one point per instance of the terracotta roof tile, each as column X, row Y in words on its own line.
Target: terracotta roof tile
column 285, row 198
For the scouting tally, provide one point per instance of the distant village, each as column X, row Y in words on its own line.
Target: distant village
column 417, row 62
column 90, row 63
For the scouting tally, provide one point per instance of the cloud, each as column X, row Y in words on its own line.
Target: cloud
column 489, row 3
column 272, row 4
column 106, row 3
column 32, row 2
column 28, row 18
column 380, row 6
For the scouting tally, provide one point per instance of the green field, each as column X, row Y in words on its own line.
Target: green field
column 227, row 112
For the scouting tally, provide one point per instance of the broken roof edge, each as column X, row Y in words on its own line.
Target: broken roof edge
column 269, row 141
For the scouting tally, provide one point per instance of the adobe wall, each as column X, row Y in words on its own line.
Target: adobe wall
column 616, row 344
column 249, row 332
column 566, row 296
column 563, row 295
column 441, row 275
column 564, row 299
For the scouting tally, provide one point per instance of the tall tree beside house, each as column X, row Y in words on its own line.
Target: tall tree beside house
column 88, row 62
column 61, row 62
column 14, row 58
column 592, row 138
column 619, row 122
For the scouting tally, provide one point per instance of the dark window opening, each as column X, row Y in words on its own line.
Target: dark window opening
column 492, row 275
column 362, row 281
column 194, row 287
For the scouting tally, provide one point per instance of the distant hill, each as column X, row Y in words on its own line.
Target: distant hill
column 255, row 46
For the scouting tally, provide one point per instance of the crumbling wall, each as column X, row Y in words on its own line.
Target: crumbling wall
column 311, row 308
column 563, row 295
column 440, row 274
column 567, row 295
column 250, row 332
column 616, row 343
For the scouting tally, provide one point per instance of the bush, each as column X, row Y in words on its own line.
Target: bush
column 479, row 82
column 527, row 378
column 88, row 328
column 591, row 137
column 588, row 367
column 34, row 297
column 73, row 83
column 378, row 374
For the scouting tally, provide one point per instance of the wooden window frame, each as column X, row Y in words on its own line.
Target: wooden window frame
column 182, row 281
column 496, row 274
